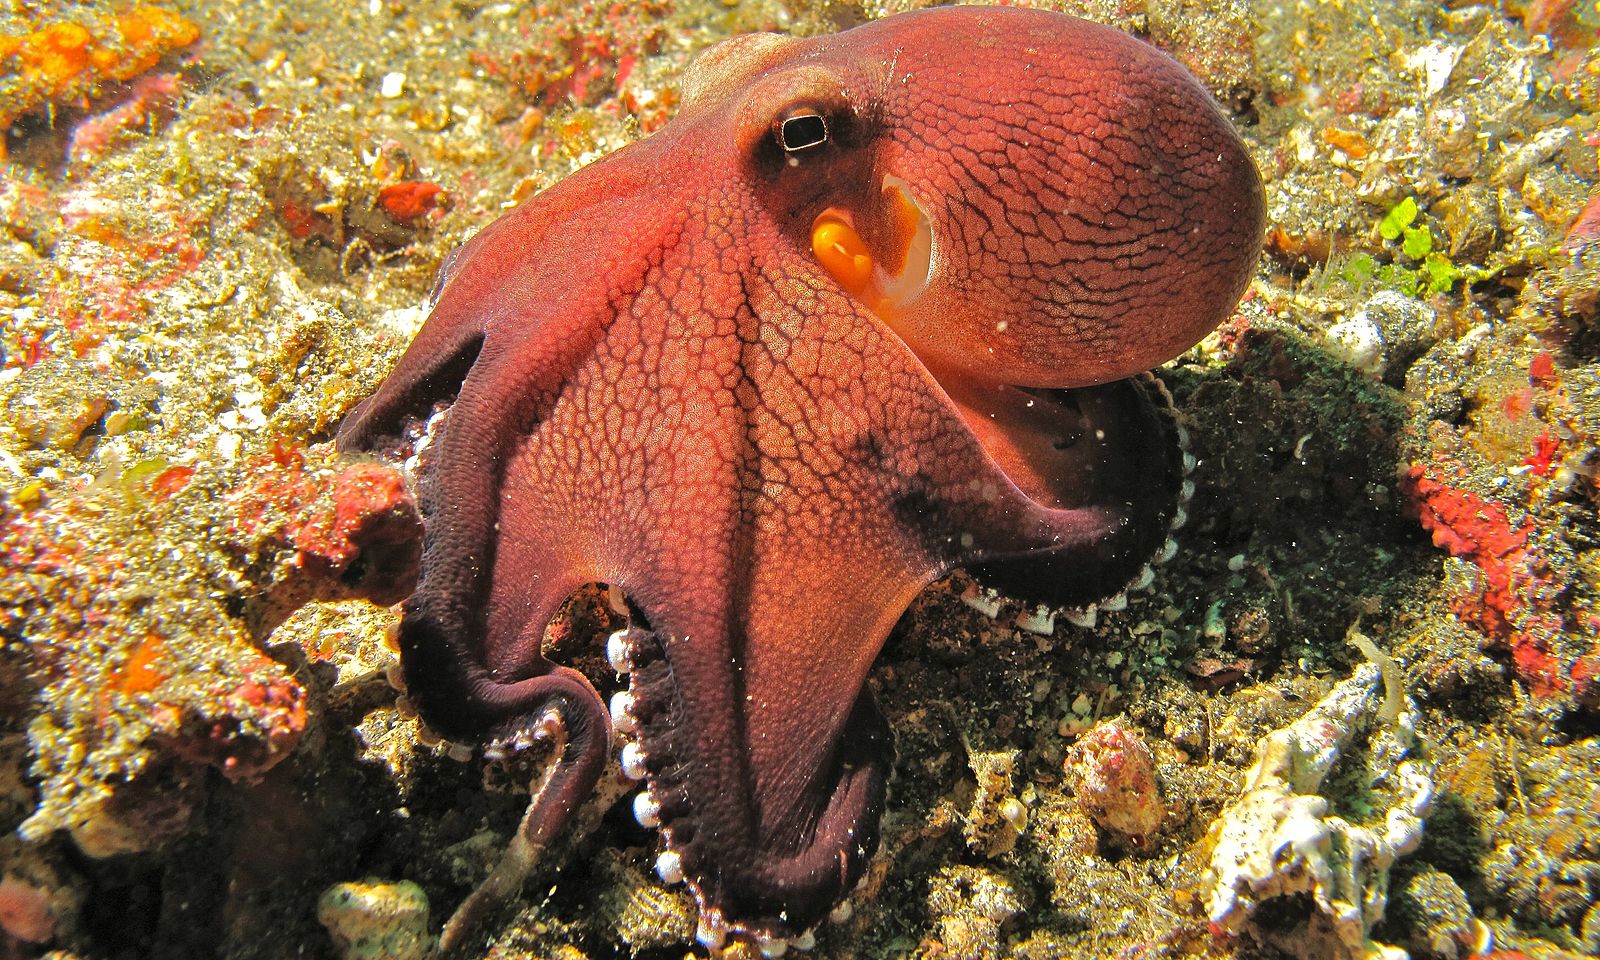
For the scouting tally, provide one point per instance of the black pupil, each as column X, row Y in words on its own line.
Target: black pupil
column 801, row 132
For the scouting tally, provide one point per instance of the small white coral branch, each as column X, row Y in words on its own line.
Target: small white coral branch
column 1278, row 838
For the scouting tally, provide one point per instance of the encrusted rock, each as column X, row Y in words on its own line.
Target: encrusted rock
column 1436, row 911
column 1281, row 838
column 973, row 905
column 1382, row 338
column 319, row 531
column 996, row 816
column 373, row 920
column 1114, row 775
column 1545, row 863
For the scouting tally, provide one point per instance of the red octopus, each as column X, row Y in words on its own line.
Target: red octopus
column 871, row 307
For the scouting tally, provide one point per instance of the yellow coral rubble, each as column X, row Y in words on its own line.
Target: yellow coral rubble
column 61, row 61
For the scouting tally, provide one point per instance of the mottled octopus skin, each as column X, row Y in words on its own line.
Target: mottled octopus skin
column 657, row 385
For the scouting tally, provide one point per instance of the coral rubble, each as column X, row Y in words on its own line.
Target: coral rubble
column 1283, row 835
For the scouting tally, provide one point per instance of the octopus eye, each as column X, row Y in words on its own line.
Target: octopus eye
column 802, row 130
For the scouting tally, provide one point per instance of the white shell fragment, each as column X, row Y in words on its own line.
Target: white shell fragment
column 1084, row 617
column 1357, row 341
column 1040, row 620
column 986, row 602
column 1279, row 838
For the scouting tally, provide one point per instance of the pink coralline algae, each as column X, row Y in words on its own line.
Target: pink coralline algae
column 332, row 534
column 142, row 683
column 1516, row 600
column 150, row 102
column 147, row 674
column 584, row 53
column 1114, row 775
column 276, row 707
column 112, row 259
column 25, row 912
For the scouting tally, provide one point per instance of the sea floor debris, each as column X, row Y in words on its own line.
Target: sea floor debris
column 1283, row 837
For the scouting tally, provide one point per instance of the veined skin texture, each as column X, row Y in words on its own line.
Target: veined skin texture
column 872, row 306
